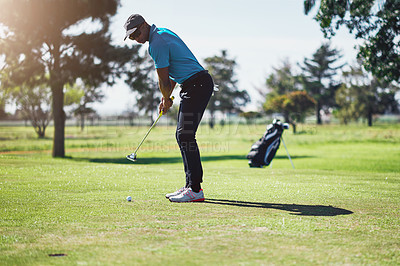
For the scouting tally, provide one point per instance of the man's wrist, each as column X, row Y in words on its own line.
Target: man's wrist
column 168, row 99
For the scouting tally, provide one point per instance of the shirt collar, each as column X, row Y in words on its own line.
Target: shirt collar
column 153, row 29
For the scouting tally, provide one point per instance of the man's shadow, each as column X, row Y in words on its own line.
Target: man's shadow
column 294, row 209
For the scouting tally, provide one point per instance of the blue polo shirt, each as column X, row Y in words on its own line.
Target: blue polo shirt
column 168, row 50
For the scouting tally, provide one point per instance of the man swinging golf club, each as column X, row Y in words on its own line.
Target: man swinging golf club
column 175, row 63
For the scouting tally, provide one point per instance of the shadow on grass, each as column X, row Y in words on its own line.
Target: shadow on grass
column 294, row 209
column 155, row 160
column 166, row 160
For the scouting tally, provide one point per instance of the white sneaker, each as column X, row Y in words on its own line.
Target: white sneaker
column 188, row 196
column 176, row 193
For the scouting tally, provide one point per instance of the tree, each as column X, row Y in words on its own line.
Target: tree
column 284, row 95
column 143, row 81
column 43, row 37
column 4, row 98
column 3, row 113
column 282, row 80
column 279, row 83
column 347, row 99
column 32, row 99
column 82, row 96
column 35, row 106
column 375, row 21
column 250, row 116
column 228, row 98
column 293, row 105
column 361, row 96
column 318, row 77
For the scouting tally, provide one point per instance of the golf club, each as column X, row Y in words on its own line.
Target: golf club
column 132, row 156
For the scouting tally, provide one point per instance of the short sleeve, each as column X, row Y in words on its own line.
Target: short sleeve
column 160, row 54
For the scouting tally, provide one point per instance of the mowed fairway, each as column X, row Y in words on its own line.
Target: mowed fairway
column 341, row 205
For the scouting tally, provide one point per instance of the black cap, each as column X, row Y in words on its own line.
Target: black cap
column 132, row 23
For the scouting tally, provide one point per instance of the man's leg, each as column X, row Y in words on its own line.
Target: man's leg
column 193, row 104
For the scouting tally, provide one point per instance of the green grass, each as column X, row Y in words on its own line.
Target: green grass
column 341, row 205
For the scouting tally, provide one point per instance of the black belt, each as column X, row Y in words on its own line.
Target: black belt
column 193, row 77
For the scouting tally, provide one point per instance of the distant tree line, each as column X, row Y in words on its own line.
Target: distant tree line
column 366, row 88
column 40, row 46
column 322, row 83
column 47, row 64
column 376, row 22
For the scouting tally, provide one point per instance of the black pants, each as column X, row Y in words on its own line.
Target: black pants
column 195, row 94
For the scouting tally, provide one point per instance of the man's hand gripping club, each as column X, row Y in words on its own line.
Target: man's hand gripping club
column 165, row 105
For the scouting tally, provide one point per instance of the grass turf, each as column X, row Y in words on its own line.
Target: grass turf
column 339, row 206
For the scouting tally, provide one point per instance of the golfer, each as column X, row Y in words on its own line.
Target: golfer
column 175, row 64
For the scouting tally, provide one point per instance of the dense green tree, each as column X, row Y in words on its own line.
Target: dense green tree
column 347, row 99
column 228, row 98
column 293, row 105
column 285, row 95
column 46, row 37
column 361, row 96
column 143, row 80
column 318, row 77
column 375, row 21
column 282, row 80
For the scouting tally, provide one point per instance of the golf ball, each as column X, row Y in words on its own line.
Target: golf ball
column 129, row 198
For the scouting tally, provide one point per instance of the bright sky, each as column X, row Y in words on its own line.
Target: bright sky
column 258, row 34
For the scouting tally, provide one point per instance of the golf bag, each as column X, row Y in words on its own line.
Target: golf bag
column 263, row 151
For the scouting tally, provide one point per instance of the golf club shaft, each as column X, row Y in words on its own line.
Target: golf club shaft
column 145, row 136
column 287, row 152
column 155, row 122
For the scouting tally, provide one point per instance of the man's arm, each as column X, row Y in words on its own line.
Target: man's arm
column 164, row 82
column 166, row 86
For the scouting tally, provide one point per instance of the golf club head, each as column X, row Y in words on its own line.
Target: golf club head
column 285, row 126
column 131, row 157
